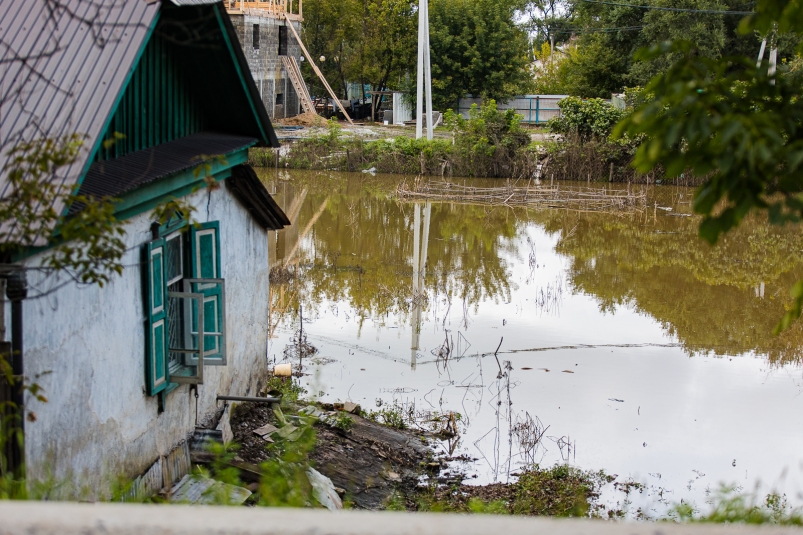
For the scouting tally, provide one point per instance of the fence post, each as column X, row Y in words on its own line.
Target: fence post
column 537, row 109
column 530, row 118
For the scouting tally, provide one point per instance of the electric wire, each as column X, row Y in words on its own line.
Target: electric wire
column 596, row 30
column 676, row 9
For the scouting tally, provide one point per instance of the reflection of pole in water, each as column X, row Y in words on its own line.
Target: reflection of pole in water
column 420, row 244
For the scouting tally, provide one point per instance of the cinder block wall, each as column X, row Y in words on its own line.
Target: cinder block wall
column 265, row 63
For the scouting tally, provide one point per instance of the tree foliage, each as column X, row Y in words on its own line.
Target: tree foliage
column 585, row 118
column 35, row 212
column 600, row 41
column 477, row 47
column 365, row 41
column 729, row 120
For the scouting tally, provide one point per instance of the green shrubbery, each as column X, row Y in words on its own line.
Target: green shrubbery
column 490, row 143
column 587, row 119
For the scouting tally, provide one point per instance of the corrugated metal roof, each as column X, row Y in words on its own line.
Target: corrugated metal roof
column 63, row 66
column 249, row 189
column 194, row 2
column 112, row 178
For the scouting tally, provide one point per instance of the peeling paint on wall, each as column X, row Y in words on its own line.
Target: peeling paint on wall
column 98, row 423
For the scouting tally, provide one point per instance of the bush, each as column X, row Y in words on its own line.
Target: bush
column 587, row 119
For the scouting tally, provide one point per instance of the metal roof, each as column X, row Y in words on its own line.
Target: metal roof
column 64, row 65
column 111, row 178
column 249, row 190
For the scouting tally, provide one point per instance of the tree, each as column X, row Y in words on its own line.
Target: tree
column 478, row 49
column 366, row 41
column 607, row 36
column 593, row 68
column 734, row 122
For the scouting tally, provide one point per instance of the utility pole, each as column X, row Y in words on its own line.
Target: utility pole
column 424, row 74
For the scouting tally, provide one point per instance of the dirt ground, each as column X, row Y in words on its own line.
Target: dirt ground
column 368, row 463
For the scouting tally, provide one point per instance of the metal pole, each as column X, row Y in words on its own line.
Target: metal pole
column 761, row 52
column 419, row 75
column 537, row 109
column 248, row 398
column 427, row 69
column 773, row 63
column 16, row 291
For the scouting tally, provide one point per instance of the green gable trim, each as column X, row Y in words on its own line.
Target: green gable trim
column 177, row 185
column 243, row 81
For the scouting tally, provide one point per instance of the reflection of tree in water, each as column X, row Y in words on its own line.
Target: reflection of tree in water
column 360, row 249
column 725, row 299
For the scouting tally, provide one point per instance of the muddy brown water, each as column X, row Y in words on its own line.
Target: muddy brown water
column 627, row 344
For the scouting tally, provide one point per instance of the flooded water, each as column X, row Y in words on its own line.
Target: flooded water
column 625, row 343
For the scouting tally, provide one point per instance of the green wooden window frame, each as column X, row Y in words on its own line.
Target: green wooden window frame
column 205, row 264
column 200, row 300
column 158, row 376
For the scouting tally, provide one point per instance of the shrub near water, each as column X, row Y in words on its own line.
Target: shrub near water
column 560, row 491
column 490, row 143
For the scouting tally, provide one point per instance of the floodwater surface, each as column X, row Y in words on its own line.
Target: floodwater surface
column 610, row 341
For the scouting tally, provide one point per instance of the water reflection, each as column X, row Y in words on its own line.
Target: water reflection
column 598, row 314
column 420, row 242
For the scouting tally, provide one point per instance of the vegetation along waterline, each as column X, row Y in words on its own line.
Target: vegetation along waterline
column 491, row 143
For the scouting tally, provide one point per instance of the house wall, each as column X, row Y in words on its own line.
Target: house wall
column 98, row 423
column 265, row 62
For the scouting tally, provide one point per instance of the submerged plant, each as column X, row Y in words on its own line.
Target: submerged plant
column 730, row 507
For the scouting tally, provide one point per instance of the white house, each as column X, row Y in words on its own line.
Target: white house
column 131, row 368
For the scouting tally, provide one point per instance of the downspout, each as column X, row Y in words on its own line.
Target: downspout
column 16, row 291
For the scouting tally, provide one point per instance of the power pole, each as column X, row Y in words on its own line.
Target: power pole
column 424, row 74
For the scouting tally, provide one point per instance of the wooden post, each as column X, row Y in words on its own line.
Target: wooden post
column 610, row 175
column 589, row 179
column 317, row 71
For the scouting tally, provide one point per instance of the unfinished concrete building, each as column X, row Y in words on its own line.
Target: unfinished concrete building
column 272, row 51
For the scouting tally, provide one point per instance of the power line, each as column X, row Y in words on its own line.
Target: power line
column 595, row 30
column 677, row 9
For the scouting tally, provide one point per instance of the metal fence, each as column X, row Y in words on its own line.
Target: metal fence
column 534, row 109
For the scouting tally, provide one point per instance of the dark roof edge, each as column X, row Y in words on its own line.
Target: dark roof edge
column 251, row 192
column 248, row 81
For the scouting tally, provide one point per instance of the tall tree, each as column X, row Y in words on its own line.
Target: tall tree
column 736, row 123
column 479, row 49
column 364, row 41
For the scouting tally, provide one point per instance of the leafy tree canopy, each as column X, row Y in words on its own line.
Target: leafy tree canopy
column 732, row 121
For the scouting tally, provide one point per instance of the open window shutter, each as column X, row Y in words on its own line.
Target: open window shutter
column 186, row 342
column 156, row 367
column 205, row 239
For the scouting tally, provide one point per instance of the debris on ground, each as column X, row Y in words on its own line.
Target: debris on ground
column 371, row 461
column 323, row 490
column 365, row 461
column 201, row 490
column 305, row 119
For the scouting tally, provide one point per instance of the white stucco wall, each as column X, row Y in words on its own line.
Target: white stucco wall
column 98, row 423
